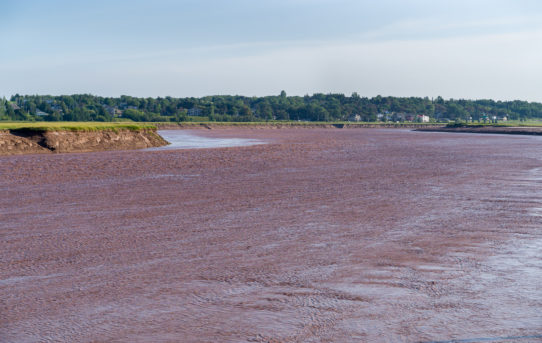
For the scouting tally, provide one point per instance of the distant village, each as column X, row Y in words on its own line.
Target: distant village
column 117, row 112
column 318, row 107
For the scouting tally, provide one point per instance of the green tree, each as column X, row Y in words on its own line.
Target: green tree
column 10, row 111
column 3, row 103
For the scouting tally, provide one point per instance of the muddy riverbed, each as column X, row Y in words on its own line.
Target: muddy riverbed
column 321, row 235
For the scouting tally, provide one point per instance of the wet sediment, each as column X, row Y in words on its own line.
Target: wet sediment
column 319, row 236
column 507, row 130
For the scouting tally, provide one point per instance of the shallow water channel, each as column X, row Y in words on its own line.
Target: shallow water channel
column 181, row 139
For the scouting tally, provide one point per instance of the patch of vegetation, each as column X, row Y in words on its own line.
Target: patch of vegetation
column 74, row 126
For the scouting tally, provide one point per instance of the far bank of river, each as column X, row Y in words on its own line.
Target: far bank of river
column 50, row 139
column 519, row 130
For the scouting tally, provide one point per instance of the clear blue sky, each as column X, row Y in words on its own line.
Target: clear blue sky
column 457, row 49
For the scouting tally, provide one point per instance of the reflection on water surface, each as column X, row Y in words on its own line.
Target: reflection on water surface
column 180, row 139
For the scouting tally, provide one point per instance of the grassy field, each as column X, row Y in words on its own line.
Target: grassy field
column 75, row 126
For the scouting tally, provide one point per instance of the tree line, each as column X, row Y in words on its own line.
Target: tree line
column 316, row 107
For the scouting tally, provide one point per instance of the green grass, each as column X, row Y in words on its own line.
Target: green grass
column 75, row 126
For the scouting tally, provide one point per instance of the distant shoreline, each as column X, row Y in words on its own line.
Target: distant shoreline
column 63, row 137
column 507, row 130
column 18, row 138
column 291, row 124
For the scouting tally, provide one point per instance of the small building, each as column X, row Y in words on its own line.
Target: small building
column 354, row 117
column 14, row 106
column 112, row 110
column 109, row 109
column 422, row 118
column 56, row 108
column 385, row 116
column 41, row 113
column 398, row 116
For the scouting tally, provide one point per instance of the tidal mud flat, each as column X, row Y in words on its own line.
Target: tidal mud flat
column 318, row 236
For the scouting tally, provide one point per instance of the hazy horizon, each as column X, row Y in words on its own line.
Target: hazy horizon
column 454, row 49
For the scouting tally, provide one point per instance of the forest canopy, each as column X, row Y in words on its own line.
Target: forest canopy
column 316, row 107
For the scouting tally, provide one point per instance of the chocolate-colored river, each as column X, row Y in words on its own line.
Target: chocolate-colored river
column 322, row 235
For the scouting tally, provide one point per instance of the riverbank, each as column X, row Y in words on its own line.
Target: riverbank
column 290, row 125
column 509, row 130
column 61, row 137
column 81, row 138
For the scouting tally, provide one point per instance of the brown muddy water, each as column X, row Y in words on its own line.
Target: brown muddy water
column 321, row 235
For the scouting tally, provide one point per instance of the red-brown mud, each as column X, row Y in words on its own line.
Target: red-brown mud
column 34, row 141
column 504, row 130
column 320, row 236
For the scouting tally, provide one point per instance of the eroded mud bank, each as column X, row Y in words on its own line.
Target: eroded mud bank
column 320, row 236
column 31, row 141
column 488, row 129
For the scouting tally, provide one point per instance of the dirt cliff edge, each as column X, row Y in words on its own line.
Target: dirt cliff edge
column 31, row 141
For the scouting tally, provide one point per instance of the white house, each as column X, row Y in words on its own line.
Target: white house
column 423, row 118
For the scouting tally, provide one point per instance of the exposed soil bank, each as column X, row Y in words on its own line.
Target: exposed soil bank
column 11, row 144
column 487, row 129
column 291, row 125
column 31, row 141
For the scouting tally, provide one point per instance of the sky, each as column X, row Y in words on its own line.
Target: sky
column 456, row 49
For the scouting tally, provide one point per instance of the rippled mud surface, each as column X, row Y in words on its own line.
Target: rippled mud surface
column 322, row 235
